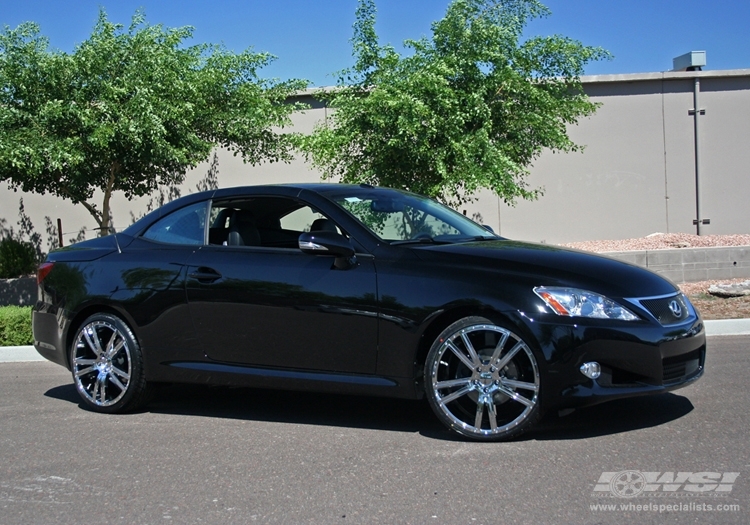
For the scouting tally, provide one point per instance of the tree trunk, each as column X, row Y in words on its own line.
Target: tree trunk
column 105, row 222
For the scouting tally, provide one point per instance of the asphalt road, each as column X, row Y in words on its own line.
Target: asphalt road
column 219, row 455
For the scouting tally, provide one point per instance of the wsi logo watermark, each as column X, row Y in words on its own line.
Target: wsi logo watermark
column 632, row 483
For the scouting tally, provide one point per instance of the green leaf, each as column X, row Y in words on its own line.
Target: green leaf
column 130, row 110
column 469, row 108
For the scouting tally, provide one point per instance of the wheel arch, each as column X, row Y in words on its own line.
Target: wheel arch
column 84, row 313
column 447, row 317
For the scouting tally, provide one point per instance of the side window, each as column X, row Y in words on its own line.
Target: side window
column 184, row 226
column 218, row 224
column 264, row 221
column 306, row 219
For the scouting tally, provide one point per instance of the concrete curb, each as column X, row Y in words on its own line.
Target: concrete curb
column 20, row 354
column 728, row 327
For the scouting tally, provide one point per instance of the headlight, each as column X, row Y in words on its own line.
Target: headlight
column 572, row 302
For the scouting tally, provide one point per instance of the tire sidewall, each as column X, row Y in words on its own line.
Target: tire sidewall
column 429, row 367
column 136, row 387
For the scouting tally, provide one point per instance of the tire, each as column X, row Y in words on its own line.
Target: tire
column 107, row 365
column 482, row 380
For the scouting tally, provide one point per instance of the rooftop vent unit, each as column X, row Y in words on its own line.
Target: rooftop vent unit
column 693, row 61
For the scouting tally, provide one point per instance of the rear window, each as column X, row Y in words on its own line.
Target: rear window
column 184, row 226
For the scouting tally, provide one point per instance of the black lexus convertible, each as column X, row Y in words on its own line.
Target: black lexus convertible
column 359, row 290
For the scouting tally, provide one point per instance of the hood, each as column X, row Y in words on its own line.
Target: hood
column 547, row 265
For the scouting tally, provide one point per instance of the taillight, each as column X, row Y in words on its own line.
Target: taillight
column 43, row 271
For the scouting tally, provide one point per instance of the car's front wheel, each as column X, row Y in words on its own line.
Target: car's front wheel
column 107, row 365
column 482, row 380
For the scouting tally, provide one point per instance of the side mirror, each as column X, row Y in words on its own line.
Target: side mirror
column 326, row 243
column 488, row 228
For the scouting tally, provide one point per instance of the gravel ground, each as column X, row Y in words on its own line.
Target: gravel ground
column 662, row 241
column 710, row 306
column 714, row 307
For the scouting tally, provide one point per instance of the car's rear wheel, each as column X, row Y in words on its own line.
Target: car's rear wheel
column 107, row 365
column 482, row 380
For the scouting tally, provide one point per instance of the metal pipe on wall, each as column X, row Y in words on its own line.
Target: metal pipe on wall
column 696, row 112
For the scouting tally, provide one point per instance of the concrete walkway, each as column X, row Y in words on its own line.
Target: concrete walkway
column 17, row 354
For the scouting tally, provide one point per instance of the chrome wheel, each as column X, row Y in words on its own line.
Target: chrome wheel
column 482, row 380
column 106, row 365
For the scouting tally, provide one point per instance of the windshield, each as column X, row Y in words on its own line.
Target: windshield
column 400, row 217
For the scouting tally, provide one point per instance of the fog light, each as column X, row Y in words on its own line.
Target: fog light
column 591, row 370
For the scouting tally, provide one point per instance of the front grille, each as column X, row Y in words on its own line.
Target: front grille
column 682, row 367
column 668, row 310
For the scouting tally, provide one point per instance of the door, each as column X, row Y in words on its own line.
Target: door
column 278, row 307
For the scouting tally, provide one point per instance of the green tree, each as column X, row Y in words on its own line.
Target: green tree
column 130, row 111
column 17, row 258
column 469, row 108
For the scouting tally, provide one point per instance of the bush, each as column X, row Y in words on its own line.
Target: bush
column 15, row 326
column 16, row 258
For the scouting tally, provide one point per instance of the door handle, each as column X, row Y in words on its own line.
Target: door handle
column 205, row 275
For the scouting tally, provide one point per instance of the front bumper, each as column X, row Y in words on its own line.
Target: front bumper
column 636, row 359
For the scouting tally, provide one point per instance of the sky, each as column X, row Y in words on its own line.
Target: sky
column 311, row 37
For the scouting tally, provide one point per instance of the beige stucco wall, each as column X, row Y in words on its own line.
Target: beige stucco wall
column 232, row 172
column 636, row 175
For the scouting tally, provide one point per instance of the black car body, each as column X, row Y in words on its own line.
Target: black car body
column 361, row 290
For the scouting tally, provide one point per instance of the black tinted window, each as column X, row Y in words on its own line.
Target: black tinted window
column 184, row 226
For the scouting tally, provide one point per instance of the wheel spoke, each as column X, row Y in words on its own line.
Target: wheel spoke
column 455, row 395
column 499, row 348
column 84, row 371
column 110, row 343
column 512, row 383
column 120, row 373
column 492, row 413
column 101, row 389
column 470, row 349
column 515, row 396
column 510, row 355
column 478, row 416
column 440, row 385
column 82, row 362
column 92, row 338
column 116, row 382
column 112, row 348
column 460, row 355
